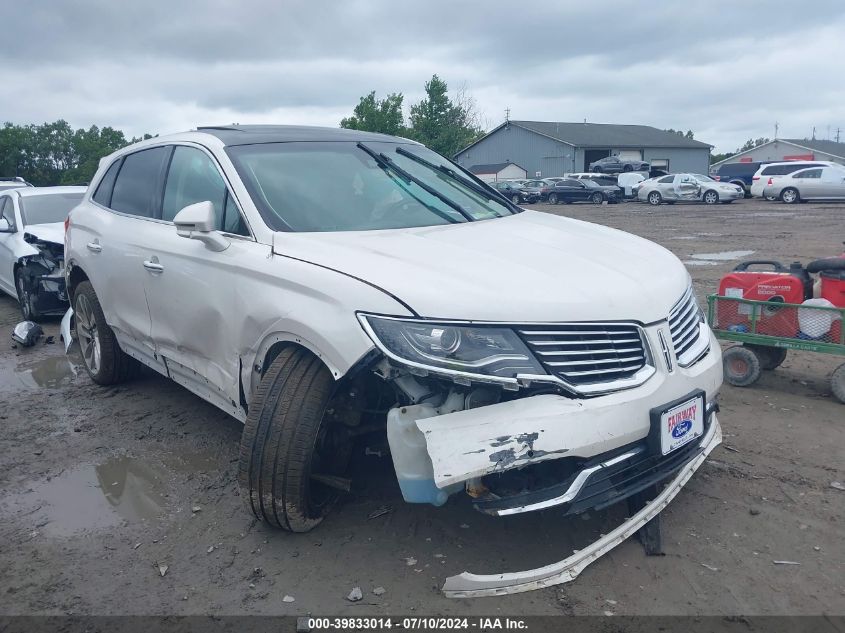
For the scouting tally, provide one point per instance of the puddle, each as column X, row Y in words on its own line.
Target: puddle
column 47, row 373
column 722, row 256
column 92, row 497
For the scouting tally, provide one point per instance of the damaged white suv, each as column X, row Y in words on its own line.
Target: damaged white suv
column 322, row 285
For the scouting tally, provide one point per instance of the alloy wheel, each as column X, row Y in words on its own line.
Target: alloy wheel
column 89, row 336
column 25, row 300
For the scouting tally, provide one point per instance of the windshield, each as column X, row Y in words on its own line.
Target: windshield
column 49, row 207
column 590, row 184
column 343, row 186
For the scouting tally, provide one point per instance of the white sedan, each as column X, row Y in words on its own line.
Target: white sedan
column 687, row 188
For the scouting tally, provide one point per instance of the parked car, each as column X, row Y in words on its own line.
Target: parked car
column 740, row 174
column 327, row 286
column 515, row 192
column 815, row 183
column 615, row 165
column 761, row 177
column 32, row 247
column 12, row 182
column 604, row 180
column 538, row 188
column 571, row 190
column 687, row 188
column 629, row 183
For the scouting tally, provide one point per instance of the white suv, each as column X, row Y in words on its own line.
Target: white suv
column 771, row 170
column 326, row 286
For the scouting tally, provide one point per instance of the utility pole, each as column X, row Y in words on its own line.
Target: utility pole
column 838, row 130
column 814, row 132
column 776, row 129
column 507, row 114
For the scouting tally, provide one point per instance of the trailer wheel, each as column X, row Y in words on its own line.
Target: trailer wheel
column 770, row 357
column 742, row 367
column 837, row 383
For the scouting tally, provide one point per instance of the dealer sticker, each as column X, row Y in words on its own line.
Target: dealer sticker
column 681, row 424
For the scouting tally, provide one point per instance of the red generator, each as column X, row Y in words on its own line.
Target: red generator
column 779, row 285
column 832, row 277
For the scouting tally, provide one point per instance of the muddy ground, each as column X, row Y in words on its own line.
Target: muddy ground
column 103, row 487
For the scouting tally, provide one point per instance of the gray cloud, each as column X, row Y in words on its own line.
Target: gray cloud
column 726, row 70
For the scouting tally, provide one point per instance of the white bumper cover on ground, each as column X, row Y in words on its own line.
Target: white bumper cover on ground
column 467, row 585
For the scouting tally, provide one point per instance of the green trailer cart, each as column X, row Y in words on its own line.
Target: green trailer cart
column 766, row 330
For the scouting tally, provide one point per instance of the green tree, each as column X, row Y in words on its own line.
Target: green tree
column 377, row 115
column 444, row 125
column 751, row 144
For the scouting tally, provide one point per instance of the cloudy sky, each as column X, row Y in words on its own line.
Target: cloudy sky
column 726, row 70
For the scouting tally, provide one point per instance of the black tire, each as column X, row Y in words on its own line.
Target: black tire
column 837, row 383
column 741, row 365
column 515, row 199
column 104, row 361
column 710, row 197
column 770, row 357
column 279, row 445
column 654, row 198
column 597, row 198
column 552, row 198
column 628, row 168
column 790, row 195
column 25, row 300
column 597, row 170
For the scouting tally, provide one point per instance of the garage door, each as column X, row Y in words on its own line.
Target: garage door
column 631, row 154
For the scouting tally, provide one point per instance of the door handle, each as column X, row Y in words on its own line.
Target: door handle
column 94, row 247
column 153, row 267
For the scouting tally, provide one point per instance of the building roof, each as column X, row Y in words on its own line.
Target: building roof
column 250, row 134
column 828, row 147
column 603, row 135
column 492, row 168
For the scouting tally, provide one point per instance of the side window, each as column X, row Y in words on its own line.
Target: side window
column 193, row 177
column 666, row 180
column 7, row 210
column 104, row 189
column 137, row 185
column 809, row 173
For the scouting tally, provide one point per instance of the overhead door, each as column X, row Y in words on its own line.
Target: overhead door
column 631, row 154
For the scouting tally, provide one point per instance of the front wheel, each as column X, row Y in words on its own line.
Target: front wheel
column 837, row 383
column 790, row 196
column 741, row 365
column 104, row 361
column 290, row 453
column 25, row 298
column 597, row 198
column 553, row 198
column 515, row 199
column 628, row 168
column 654, row 198
column 711, row 197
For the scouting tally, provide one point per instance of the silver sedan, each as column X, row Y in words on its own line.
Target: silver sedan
column 687, row 188
column 816, row 183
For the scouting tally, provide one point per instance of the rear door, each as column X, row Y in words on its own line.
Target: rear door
column 809, row 183
column 666, row 187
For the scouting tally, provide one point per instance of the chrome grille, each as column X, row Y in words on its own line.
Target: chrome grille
column 684, row 325
column 588, row 353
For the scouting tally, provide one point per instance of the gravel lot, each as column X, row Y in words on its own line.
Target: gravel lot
column 104, row 487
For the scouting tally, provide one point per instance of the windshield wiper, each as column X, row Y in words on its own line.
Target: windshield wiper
column 481, row 191
column 386, row 163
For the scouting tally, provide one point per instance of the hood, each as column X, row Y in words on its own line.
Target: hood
column 531, row 266
column 53, row 232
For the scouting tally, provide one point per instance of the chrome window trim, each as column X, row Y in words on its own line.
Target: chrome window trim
column 521, row 380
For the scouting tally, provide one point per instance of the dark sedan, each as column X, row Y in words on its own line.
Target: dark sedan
column 515, row 192
column 571, row 190
column 616, row 165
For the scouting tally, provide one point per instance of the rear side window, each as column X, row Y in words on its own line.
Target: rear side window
column 104, row 189
column 782, row 170
column 666, row 180
column 809, row 173
column 137, row 184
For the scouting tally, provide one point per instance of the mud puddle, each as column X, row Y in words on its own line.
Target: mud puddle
column 46, row 373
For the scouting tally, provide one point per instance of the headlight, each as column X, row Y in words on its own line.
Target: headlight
column 492, row 353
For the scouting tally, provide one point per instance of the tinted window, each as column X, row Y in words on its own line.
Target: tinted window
column 103, row 194
column 666, row 180
column 809, row 173
column 137, row 184
column 782, row 170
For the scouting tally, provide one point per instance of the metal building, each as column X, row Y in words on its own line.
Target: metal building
column 547, row 149
column 783, row 149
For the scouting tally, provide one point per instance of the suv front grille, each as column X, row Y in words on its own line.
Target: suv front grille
column 684, row 325
column 588, row 353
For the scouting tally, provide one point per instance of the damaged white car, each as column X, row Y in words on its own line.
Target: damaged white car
column 326, row 284
column 32, row 247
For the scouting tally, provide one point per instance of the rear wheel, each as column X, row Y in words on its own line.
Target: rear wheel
column 837, row 383
column 515, row 199
column 770, row 357
column 597, row 169
column 553, row 198
column 741, row 365
column 790, row 196
column 628, row 168
column 597, row 198
column 711, row 197
column 654, row 198
column 104, row 361
column 290, row 453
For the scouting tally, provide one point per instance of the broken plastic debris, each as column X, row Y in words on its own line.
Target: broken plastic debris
column 710, row 567
column 380, row 512
column 136, row 546
column 288, row 599
column 210, row 549
column 836, row 484
column 162, row 569
column 196, row 509
column 379, row 591
column 355, row 595
column 785, row 562
column 27, row 333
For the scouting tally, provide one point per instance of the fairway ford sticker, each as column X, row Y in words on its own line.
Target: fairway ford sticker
column 680, row 422
column 681, row 428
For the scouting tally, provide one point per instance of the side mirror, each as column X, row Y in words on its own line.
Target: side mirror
column 4, row 226
column 197, row 222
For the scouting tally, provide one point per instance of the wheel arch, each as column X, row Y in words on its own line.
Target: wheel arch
column 75, row 276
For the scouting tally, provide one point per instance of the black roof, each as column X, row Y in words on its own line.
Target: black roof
column 251, row 134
